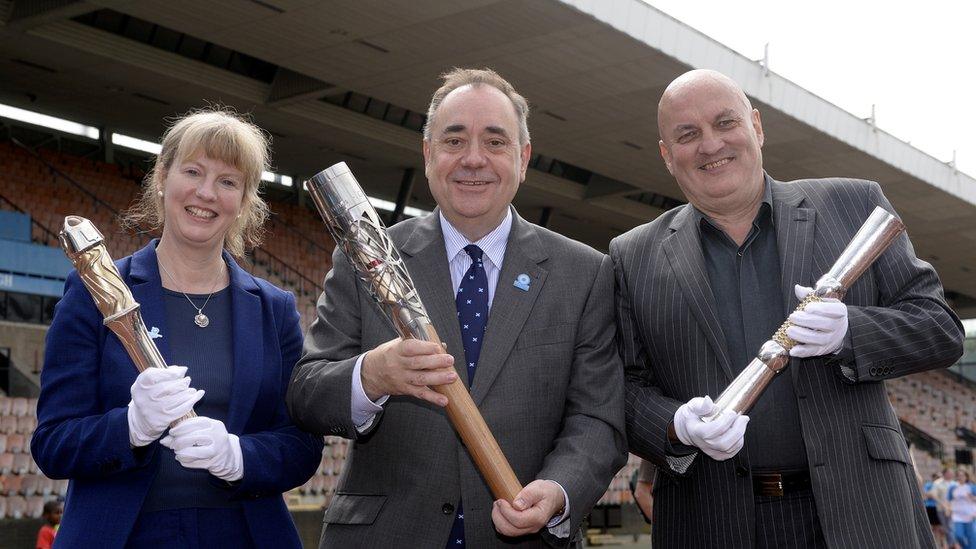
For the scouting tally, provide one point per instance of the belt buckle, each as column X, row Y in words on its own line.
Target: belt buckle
column 773, row 487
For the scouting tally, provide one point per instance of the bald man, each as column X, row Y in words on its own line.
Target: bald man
column 820, row 461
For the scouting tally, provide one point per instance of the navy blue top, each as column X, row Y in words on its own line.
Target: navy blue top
column 208, row 354
column 746, row 284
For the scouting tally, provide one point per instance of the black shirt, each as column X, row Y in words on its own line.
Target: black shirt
column 746, row 286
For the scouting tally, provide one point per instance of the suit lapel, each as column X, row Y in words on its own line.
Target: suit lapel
column 511, row 306
column 248, row 345
column 426, row 261
column 684, row 252
column 795, row 233
column 147, row 290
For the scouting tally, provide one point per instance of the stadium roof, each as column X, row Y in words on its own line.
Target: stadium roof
column 350, row 81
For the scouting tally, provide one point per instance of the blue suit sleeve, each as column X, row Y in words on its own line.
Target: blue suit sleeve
column 284, row 457
column 78, row 435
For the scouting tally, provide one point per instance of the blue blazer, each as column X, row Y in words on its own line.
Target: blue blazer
column 82, row 430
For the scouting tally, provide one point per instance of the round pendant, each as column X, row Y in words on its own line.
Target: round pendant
column 201, row 320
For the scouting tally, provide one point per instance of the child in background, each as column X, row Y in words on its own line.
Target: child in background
column 52, row 514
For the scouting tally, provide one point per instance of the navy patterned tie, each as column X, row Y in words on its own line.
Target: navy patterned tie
column 472, row 309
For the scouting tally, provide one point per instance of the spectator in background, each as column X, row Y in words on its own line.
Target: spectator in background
column 962, row 498
column 52, row 516
column 932, row 508
column 940, row 491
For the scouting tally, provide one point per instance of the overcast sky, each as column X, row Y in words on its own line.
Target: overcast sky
column 916, row 61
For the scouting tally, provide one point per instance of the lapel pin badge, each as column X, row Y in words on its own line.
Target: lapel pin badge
column 154, row 333
column 522, row 282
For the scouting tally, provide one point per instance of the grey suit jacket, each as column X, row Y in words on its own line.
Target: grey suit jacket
column 549, row 385
column 673, row 350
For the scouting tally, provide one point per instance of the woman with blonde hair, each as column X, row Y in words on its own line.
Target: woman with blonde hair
column 216, row 479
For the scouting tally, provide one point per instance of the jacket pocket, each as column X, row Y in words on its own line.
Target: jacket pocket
column 353, row 509
column 885, row 442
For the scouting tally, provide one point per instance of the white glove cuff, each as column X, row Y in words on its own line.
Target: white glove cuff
column 233, row 470
column 137, row 432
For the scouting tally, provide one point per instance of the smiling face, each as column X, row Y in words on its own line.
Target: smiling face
column 202, row 198
column 711, row 141
column 473, row 159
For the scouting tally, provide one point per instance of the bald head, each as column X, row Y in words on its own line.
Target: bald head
column 711, row 142
column 691, row 85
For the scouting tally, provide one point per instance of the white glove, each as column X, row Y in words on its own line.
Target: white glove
column 819, row 328
column 160, row 396
column 720, row 438
column 204, row 443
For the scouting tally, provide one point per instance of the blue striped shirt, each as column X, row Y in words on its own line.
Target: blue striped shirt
column 492, row 244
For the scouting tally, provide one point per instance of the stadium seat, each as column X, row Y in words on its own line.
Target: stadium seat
column 8, row 424
column 3, row 507
column 35, row 507
column 16, row 443
column 3, row 443
column 16, row 507
column 21, row 464
column 5, row 404
column 12, row 484
column 19, row 406
column 28, row 486
column 6, row 463
column 45, row 486
column 26, row 424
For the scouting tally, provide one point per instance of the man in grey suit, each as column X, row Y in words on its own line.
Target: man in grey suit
column 823, row 462
column 549, row 381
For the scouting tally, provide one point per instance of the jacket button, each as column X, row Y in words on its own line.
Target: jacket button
column 447, row 509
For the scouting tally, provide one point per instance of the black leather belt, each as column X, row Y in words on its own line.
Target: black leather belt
column 780, row 484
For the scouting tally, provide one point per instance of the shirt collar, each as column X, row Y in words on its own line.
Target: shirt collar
column 767, row 200
column 492, row 244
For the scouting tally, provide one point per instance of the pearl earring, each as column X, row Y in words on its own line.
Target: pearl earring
column 159, row 193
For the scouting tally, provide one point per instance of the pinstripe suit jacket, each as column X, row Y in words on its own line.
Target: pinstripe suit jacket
column 550, row 387
column 673, row 350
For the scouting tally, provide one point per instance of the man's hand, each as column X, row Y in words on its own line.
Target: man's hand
column 819, row 328
column 720, row 438
column 407, row 367
column 532, row 509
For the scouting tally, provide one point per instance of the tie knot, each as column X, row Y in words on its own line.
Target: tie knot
column 474, row 251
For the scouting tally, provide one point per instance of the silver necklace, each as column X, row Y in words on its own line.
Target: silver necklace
column 200, row 319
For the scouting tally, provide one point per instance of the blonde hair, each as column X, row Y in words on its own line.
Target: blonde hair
column 221, row 134
column 458, row 77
